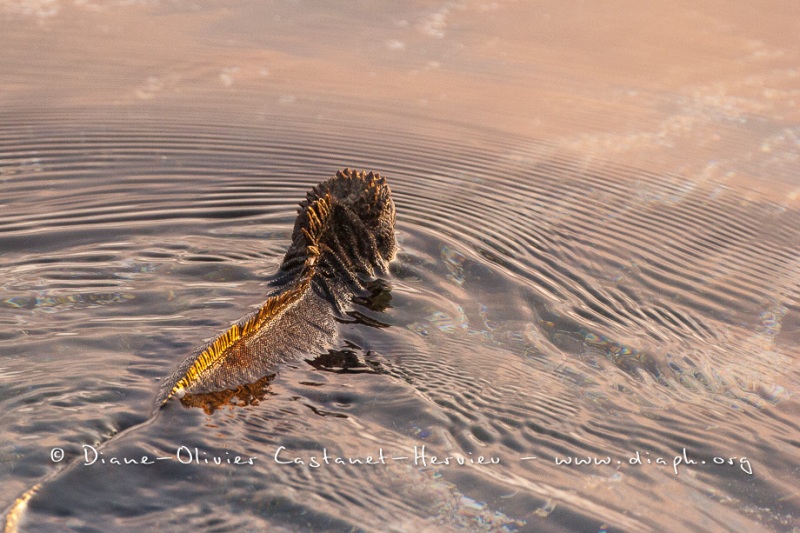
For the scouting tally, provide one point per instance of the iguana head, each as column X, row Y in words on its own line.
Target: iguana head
column 374, row 206
column 352, row 216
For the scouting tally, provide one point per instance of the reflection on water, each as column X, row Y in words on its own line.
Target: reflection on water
column 598, row 220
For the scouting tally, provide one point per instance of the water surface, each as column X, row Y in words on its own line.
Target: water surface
column 599, row 230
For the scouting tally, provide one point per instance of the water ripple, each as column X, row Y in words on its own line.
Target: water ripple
column 542, row 305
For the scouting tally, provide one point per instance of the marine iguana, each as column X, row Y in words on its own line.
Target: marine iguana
column 343, row 235
column 344, row 231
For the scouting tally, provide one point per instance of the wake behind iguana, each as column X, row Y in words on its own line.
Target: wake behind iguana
column 343, row 234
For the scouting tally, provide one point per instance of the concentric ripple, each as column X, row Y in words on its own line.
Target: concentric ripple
column 542, row 307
